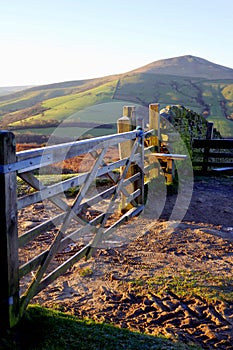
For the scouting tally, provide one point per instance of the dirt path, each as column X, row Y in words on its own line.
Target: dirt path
column 167, row 278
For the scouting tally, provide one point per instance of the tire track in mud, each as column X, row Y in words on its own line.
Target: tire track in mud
column 120, row 290
column 193, row 320
column 133, row 286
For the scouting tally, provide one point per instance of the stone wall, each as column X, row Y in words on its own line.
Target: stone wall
column 186, row 123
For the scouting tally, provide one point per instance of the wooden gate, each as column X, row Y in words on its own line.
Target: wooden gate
column 74, row 225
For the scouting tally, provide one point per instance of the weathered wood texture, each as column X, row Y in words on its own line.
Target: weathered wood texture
column 41, row 263
column 154, row 123
column 23, row 164
column 9, row 291
column 124, row 124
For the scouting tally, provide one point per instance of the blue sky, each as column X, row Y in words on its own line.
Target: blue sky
column 47, row 41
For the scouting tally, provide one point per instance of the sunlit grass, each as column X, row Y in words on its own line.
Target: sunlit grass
column 65, row 106
column 188, row 283
column 43, row 329
column 67, row 103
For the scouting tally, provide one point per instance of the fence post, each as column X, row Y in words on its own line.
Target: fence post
column 125, row 148
column 9, row 265
column 209, row 136
column 130, row 112
column 154, row 123
column 209, row 131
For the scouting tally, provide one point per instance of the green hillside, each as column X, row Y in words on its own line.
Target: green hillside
column 210, row 98
column 30, row 98
column 43, row 108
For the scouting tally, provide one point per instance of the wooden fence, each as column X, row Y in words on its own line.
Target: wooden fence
column 79, row 223
column 216, row 154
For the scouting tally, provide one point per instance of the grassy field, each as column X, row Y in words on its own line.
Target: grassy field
column 104, row 113
column 30, row 97
column 99, row 100
column 63, row 107
column 225, row 126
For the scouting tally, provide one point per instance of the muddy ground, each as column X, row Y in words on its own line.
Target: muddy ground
column 170, row 277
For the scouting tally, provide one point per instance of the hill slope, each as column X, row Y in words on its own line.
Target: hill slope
column 198, row 84
column 187, row 66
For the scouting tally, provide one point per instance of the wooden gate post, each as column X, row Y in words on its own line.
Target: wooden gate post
column 9, row 265
column 125, row 148
column 130, row 112
column 154, row 123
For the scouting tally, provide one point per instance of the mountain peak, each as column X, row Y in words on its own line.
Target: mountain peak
column 188, row 65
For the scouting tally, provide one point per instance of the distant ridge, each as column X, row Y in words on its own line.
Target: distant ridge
column 7, row 90
column 183, row 66
column 189, row 66
column 198, row 84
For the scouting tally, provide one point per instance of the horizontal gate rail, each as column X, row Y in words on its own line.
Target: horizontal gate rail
column 37, row 158
column 52, row 190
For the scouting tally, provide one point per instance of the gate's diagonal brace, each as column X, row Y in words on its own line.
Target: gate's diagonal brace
column 113, row 177
column 54, row 247
column 100, row 231
column 75, row 210
column 61, row 204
